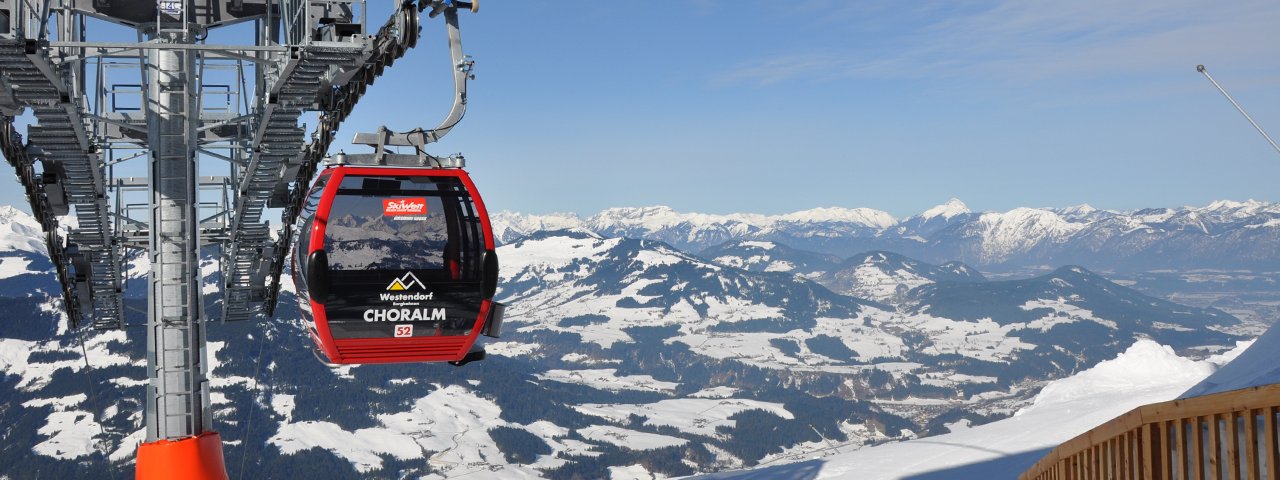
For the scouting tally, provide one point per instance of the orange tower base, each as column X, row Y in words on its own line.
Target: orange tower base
column 192, row 458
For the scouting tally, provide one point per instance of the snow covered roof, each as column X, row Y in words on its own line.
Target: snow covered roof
column 1259, row 365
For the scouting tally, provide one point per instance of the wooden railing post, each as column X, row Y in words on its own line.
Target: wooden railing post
column 1150, row 452
column 1095, row 472
column 1165, row 472
column 1273, row 450
column 1088, row 465
column 1233, row 446
column 1251, row 444
column 1180, row 439
column 1112, row 453
column 1197, row 452
column 1215, row 452
column 1132, row 454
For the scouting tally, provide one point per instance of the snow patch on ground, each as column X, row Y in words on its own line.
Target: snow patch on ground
column 983, row 339
column 948, row 379
column 1063, row 312
column 70, row 435
column 607, row 379
column 128, row 446
column 58, row 404
column 511, row 349
column 129, row 382
column 715, row 392
column 362, row 447
column 690, row 415
column 633, row 472
column 629, row 439
column 218, row 382
column 858, row 436
column 14, row 356
column 449, row 427
column 13, row 266
column 588, row 359
column 283, row 405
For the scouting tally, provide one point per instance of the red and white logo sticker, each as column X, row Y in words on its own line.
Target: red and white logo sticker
column 404, row 331
column 404, row 206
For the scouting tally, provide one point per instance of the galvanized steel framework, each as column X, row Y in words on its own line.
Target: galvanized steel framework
column 307, row 55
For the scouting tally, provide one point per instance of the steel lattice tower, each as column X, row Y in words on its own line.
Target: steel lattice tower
column 168, row 118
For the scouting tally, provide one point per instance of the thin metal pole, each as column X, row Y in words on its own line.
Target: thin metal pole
column 1201, row 69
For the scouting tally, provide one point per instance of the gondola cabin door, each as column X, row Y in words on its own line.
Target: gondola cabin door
column 395, row 264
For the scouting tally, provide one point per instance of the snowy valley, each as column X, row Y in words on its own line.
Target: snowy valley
column 644, row 343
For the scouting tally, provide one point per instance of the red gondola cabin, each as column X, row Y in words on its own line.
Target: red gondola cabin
column 396, row 265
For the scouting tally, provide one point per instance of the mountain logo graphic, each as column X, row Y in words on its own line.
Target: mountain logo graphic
column 405, row 282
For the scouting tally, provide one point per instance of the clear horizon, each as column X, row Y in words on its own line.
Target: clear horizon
column 23, row 207
column 893, row 214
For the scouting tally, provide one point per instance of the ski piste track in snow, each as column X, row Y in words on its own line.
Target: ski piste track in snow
column 237, row 105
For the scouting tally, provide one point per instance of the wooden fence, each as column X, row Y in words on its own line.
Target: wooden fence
column 1223, row 436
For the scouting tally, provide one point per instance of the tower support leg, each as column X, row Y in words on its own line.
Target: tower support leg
column 180, row 441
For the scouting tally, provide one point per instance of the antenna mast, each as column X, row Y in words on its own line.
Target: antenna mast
column 1201, row 69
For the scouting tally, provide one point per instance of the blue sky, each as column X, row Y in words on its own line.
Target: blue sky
column 769, row 107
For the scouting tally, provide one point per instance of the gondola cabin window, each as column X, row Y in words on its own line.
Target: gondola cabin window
column 386, row 224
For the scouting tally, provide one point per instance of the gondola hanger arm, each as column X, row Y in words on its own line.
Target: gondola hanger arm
column 418, row 137
column 462, row 66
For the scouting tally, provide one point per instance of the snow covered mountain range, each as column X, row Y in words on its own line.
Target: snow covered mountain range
column 1224, row 234
column 622, row 358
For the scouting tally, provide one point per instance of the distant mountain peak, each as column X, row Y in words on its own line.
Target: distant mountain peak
column 865, row 216
column 1081, row 209
column 20, row 231
column 571, row 232
column 878, row 256
column 638, row 211
column 1074, row 271
column 1024, row 217
column 1232, row 205
column 758, row 244
column 947, row 210
column 1228, row 210
column 9, row 212
column 885, row 277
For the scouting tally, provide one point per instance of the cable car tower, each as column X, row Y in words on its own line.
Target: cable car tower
column 115, row 161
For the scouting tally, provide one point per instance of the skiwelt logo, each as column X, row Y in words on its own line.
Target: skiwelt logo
column 404, row 206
